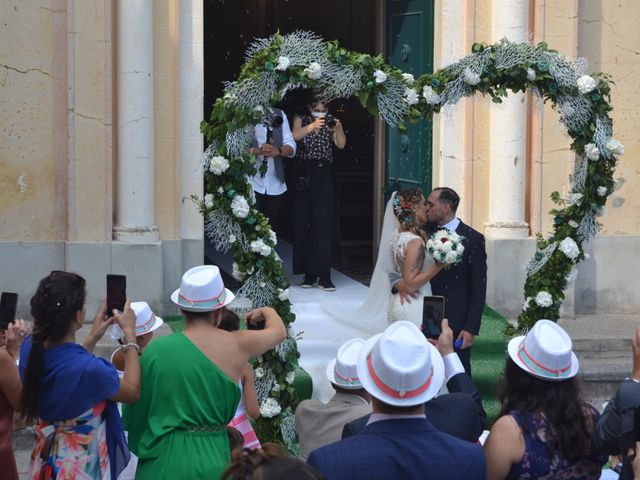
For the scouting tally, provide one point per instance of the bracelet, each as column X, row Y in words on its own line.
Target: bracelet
column 127, row 346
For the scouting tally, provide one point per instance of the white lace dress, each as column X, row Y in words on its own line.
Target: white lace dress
column 411, row 311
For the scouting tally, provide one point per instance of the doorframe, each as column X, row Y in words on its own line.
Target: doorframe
column 379, row 135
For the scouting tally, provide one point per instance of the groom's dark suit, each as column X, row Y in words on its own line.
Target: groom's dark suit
column 464, row 287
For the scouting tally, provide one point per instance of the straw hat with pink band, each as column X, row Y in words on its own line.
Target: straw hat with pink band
column 146, row 321
column 545, row 352
column 202, row 290
column 400, row 367
column 342, row 371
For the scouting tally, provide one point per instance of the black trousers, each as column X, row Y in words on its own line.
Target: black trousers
column 313, row 223
column 269, row 206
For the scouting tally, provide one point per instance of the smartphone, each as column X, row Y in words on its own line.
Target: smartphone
column 8, row 306
column 432, row 315
column 116, row 293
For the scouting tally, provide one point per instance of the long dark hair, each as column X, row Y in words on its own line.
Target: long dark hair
column 566, row 415
column 59, row 297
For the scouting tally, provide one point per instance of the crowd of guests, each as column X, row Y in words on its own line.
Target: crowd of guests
column 404, row 406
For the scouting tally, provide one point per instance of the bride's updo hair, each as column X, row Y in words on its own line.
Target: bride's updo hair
column 404, row 204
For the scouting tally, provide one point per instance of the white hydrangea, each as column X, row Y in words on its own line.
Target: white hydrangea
column 208, row 200
column 379, row 76
column 408, row 78
column 275, row 388
column 615, row 147
column 283, row 294
column 283, row 63
column 314, row 71
column 273, row 238
column 586, row 84
column 531, row 74
column 544, row 299
column 232, row 238
column 526, row 303
column 240, row 207
column 602, row 191
column 258, row 372
column 236, row 273
column 411, row 96
column 470, row 77
column 218, row 164
column 569, row 247
column 430, row 95
column 290, row 377
column 573, row 223
column 270, row 408
column 260, row 247
column 591, row 151
column 573, row 199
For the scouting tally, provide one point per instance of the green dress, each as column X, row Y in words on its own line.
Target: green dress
column 178, row 427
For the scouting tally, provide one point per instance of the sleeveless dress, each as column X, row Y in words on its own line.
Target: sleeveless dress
column 178, row 427
column 543, row 459
column 411, row 311
column 242, row 423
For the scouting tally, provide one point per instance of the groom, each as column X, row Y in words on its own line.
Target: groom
column 463, row 285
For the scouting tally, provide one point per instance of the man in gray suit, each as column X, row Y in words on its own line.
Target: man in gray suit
column 320, row 424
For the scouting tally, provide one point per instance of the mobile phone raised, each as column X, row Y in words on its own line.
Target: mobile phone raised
column 116, row 293
column 432, row 315
column 8, row 306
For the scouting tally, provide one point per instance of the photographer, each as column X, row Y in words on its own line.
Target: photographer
column 615, row 433
column 316, row 133
column 272, row 142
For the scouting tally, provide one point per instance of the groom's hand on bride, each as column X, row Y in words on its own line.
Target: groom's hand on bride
column 467, row 339
column 406, row 295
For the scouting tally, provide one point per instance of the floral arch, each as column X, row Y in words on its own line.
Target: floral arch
column 276, row 65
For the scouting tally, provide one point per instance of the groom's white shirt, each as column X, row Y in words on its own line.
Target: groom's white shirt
column 452, row 225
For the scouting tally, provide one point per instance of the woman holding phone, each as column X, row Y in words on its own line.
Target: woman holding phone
column 70, row 390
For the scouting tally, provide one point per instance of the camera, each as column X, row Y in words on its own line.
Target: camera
column 330, row 122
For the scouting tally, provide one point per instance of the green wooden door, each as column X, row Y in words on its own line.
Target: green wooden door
column 409, row 46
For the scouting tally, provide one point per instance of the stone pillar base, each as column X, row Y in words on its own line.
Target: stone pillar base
column 506, row 229
column 129, row 234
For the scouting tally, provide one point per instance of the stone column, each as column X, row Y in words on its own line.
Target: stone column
column 508, row 135
column 135, row 221
column 190, row 106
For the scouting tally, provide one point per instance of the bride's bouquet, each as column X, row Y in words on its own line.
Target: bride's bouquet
column 446, row 247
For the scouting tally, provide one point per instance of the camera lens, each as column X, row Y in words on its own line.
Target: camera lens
column 330, row 121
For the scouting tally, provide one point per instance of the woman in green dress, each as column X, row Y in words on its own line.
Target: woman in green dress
column 190, row 383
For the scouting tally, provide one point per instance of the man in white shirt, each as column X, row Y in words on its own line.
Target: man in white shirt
column 273, row 141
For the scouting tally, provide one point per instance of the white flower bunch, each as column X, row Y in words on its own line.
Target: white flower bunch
column 544, row 299
column 411, row 96
column 283, row 294
column 602, row 191
column 275, row 388
column 208, row 200
column 240, row 207
column 270, row 408
column 531, row 74
column 283, row 63
column 218, row 165
column 379, row 76
column 592, row 152
column 260, row 247
column 290, row 377
column 314, row 71
column 430, row 95
column 232, row 238
column 273, row 238
column 236, row 273
column 470, row 77
column 408, row 78
column 570, row 248
column 445, row 247
column 258, row 372
column 573, row 199
column 586, row 84
column 615, row 147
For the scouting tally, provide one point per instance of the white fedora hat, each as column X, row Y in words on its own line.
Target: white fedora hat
column 400, row 367
column 146, row 321
column 545, row 352
column 342, row 370
column 202, row 290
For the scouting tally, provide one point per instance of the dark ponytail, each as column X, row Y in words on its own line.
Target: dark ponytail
column 59, row 297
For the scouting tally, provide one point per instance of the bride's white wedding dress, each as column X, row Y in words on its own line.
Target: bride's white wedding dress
column 411, row 311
